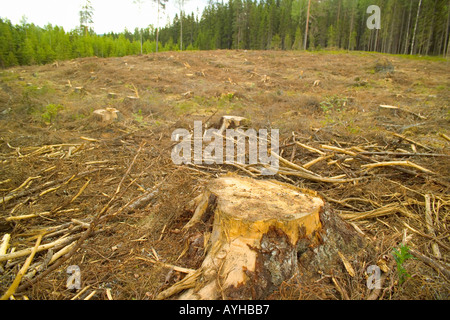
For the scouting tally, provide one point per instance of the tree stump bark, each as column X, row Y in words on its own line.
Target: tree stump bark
column 258, row 226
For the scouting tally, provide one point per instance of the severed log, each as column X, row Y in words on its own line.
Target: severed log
column 257, row 226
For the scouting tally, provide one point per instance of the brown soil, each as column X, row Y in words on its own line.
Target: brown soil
column 273, row 90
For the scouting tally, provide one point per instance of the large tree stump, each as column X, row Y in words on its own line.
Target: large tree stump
column 258, row 226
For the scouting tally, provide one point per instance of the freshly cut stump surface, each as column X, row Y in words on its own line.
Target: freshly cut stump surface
column 257, row 227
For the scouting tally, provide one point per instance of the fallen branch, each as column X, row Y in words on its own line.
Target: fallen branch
column 402, row 154
column 57, row 243
column 170, row 266
column 317, row 178
column 445, row 137
column 87, row 233
column 28, row 192
column 12, row 289
column 432, row 263
column 412, row 141
column 310, row 148
column 403, row 110
column 389, row 209
column 397, row 163
column 339, row 150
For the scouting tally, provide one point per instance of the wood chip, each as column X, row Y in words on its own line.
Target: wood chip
column 347, row 265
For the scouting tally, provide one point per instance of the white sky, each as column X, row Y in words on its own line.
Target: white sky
column 109, row 15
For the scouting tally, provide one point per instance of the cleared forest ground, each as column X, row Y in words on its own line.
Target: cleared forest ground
column 59, row 164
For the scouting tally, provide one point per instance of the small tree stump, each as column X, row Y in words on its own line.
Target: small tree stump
column 257, row 227
column 107, row 115
column 227, row 122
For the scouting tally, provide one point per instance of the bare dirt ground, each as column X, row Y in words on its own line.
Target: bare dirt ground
column 61, row 169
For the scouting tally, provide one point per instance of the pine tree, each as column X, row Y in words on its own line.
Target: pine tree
column 298, row 39
column 86, row 16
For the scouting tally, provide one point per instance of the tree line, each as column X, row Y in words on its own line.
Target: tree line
column 407, row 27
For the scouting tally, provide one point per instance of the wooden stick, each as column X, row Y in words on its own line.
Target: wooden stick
column 412, row 141
column 307, row 176
column 443, row 245
column 293, row 165
column 97, row 219
column 108, row 294
column 294, row 149
column 49, row 190
column 24, row 252
column 176, row 268
column 434, row 264
column 429, row 223
column 81, row 191
column 403, row 110
column 342, row 291
column 24, row 193
column 340, row 150
column 397, row 163
column 25, row 183
column 317, row 160
column 12, row 289
column 310, row 148
column 5, row 243
column 80, row 293
column 41, row 214
column 391, row 208
column 61, row 252
column 401, row 154
column 445, row 137
column 90, row 295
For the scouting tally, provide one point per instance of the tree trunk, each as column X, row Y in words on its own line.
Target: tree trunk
column 157, row 27
column 260, row 230
column 181, row 30
column 142, row 40
column 407, row 29
column 351, row 28
column 338, row 25
column 415, row 27
column 430, row 35
column 447, row 38
column 307, row 25
column 256, row 230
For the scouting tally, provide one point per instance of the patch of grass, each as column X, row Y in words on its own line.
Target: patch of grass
column 138, row 116
column 185, row 107
column 418, row 57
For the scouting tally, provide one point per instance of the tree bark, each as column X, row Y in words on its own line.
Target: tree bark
column 415, row 27
column 262, row 234
column 258, row 226
column 447, row 38
column 307, row 26
column 407, row 29
column 157, row 27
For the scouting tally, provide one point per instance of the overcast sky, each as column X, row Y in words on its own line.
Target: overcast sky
column 109, row 15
